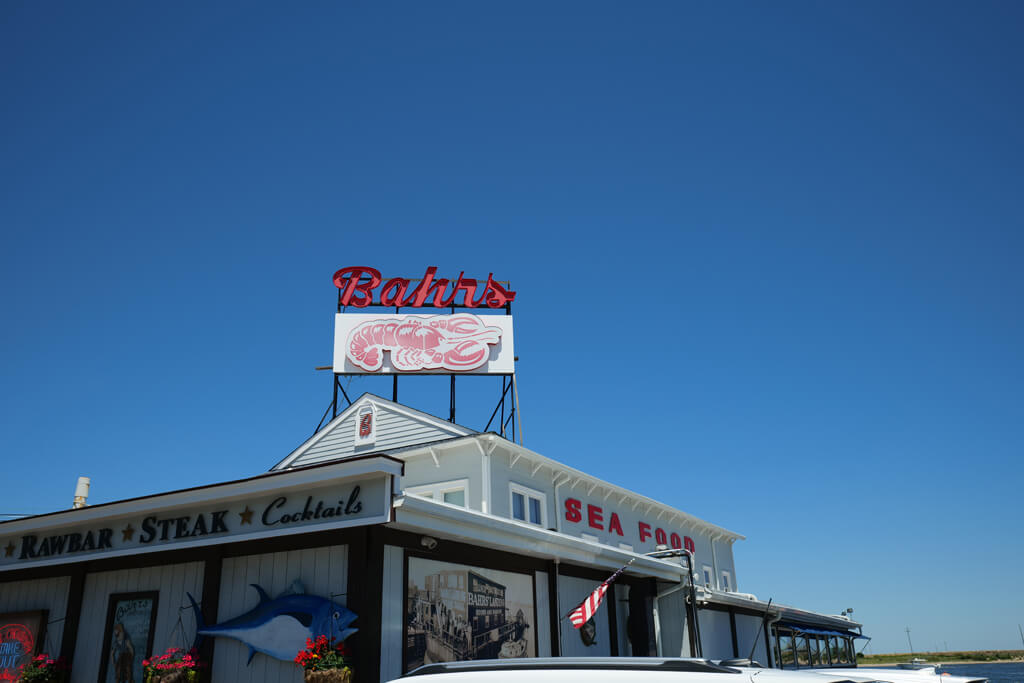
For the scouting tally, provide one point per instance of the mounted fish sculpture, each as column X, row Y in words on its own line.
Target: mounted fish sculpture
column 280, row 626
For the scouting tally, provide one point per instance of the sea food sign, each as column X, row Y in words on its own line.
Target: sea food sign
column 352, row 503
column 461, row 343
column 619, row 526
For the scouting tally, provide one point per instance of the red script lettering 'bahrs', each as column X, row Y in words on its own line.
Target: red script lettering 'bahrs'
column 356, row 285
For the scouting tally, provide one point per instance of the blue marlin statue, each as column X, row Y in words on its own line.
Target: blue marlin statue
column 279, row 627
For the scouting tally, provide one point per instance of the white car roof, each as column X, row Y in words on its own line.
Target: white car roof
column 606, row 670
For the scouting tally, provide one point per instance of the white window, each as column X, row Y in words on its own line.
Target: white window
column 709, row 576
column 726, row 581
column 528, row 505
column 452, row 492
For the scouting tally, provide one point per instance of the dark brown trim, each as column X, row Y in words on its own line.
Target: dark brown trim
column 732, row 632
column 365, row 589
column 210, row 604
column 613, row 631
column 641, row 627
column 72, row 616
column 463, row 553
column 357, row 601
column 554, row 616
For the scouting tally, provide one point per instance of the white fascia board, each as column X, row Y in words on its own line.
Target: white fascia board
column 419, row 416
column 424, row 516
column 315, row 475
column 785, row 611
column 571, row 472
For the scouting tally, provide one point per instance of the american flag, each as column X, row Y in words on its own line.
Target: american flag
column 588, row 607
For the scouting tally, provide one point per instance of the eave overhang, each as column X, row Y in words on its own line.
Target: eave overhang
column 424, row 516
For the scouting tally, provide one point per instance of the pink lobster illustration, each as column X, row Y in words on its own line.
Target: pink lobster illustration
column 453, row 342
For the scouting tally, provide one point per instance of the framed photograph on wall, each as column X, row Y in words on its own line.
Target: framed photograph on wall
column 21, row 636
column 461, row 611
column 127, row 636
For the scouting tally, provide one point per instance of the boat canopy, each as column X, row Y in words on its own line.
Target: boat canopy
column 800, row 628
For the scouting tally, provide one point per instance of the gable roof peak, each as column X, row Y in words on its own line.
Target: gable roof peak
column 396, row 425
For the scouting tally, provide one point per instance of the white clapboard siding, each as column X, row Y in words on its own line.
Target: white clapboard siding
column 322, row 571
column 172, row 581
column 47, row 594
column 395, row 428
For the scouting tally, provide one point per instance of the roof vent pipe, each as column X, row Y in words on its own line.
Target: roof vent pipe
column 81, row 492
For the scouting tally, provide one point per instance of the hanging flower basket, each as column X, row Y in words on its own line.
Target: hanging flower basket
column 328, row 676
column 173, row 666
column 172, row 677
column 44, row 669
column 324, row 661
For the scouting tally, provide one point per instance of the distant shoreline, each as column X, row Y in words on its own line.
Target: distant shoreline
column 940, row 658
column 978, row 661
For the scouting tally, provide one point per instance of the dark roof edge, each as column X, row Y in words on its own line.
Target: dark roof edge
column 264, row 475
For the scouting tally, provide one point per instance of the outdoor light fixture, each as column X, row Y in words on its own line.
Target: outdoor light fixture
column 428, row 542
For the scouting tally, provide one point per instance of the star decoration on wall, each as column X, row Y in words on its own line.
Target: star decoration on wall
column 127, row 533
column 246, row 515
column 9, row 550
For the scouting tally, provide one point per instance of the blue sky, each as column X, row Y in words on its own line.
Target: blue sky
column 785, row 240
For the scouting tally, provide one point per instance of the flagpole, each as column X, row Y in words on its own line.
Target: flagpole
column 655, row 554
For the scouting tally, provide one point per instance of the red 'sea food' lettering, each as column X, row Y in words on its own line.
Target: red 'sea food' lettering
column 645, row 531
column 595, row 517
column 572, row 510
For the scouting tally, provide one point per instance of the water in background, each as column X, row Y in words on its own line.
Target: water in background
column 995, row 672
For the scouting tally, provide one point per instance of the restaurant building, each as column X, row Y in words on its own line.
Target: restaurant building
column 445, row 542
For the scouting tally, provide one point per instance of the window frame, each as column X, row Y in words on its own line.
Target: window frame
column 526, row 492
column 708, row 574
column 437, row 490
column 725, row 582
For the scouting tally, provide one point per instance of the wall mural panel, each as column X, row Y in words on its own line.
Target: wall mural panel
column 457, row 612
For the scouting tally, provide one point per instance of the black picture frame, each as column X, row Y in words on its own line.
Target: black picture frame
column 18, row 625
column 470, row 564
column 119, row 606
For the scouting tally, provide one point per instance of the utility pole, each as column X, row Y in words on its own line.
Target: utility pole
column 907, row 629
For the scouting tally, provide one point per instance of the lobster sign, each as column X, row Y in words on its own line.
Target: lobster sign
column 439, row 344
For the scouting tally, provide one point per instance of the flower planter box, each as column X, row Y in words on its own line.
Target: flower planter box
column 329, row 676
column 171, row 677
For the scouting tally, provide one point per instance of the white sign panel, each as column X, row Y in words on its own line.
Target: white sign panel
column 463, row 343
column 356, row 501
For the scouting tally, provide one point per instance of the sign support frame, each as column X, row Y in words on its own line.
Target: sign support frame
column 507, row 379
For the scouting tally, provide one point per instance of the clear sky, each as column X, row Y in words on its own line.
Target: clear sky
column 768, row 259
